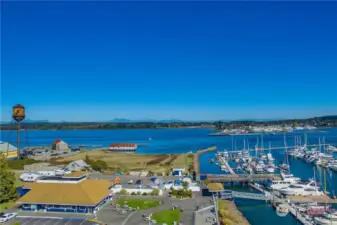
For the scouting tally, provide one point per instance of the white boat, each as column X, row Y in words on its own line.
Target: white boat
column 282, row 210
column 302, row 188
column 263, row 156
column 238, row 167
column 287, row 180
column 327, row 219
column 270, row 157
column 269, row 169
column 224, row 168
column 259, row 169
column 225, row 154
column 285, row 167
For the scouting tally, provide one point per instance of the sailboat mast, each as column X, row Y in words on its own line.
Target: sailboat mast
column 285, row 148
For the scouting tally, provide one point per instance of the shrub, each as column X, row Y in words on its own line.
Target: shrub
column 123, row 192
column 144, row 194
column 133, row 193
column 155, row 192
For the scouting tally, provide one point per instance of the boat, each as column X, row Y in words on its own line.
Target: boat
column 211, row 160
column 269, row 169
column 282, row 210
column 286, row 181
column 259, row 169
column 225, row 154
column 284, row 167
column 302, row 188
column 263, row 156
column 329, row 218
column 270, row 157
column 238, row 167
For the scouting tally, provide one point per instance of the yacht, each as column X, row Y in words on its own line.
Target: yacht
column 287, row 180
column 302, row 188
column 269, row 169
column 259, row 169
column 270, row 157
column 285, row 167
column 248, row 169
column 329, row 218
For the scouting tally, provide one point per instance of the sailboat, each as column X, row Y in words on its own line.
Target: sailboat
column 285, row 165
column 269, row 155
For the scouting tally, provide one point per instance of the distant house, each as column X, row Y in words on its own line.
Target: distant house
column 59, row 145
column 77, row 165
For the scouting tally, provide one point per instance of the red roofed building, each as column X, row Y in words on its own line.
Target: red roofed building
column 124, row 147
column 59, row 145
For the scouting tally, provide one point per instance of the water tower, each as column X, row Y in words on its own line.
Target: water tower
column 18, row 115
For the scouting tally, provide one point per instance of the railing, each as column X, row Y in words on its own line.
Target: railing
column 246, row 195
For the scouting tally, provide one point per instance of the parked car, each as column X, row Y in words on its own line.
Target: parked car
column 7, row 216
column 130, row 182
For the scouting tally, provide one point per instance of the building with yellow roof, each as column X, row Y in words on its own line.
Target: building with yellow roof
column 86, row 196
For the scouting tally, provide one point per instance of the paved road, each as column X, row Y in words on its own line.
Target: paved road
column 48, row 221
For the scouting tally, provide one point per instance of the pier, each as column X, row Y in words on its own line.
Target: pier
column 221, row 178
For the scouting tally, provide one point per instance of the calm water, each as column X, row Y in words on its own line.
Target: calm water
column 185, row 140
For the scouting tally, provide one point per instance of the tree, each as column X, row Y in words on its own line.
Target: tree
column 155, row 192
column 7, row 182
column 185, row 184
column 123, row 192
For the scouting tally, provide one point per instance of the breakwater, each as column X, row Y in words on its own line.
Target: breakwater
column 196, row 160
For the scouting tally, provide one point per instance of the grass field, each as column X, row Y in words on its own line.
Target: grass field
column 7, row 204
column 141, row 203
column 130, row 161
column 229, row 214
column 167, row 216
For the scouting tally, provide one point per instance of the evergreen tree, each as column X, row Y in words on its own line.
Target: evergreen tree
column 7, row 181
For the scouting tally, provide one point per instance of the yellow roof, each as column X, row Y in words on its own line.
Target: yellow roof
column 87, row 192
column 215, row 187
column 76, row 174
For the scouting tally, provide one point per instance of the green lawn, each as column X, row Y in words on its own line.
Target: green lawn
column 141, row 203
column 7, row 204
column 167, row 216
column 18, row 182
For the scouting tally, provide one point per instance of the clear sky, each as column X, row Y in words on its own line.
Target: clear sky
column 89, row 61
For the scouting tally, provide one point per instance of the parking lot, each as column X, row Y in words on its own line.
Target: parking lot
column 49, row 221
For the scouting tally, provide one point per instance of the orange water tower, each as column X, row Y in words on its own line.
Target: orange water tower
column 19, row 114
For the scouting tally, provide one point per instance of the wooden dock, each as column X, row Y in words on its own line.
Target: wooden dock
column 272, row 148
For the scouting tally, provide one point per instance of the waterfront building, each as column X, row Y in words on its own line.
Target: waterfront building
column 77, row 165
column 72, row 193
column 60, row 145
column 123, row 147
column 8, row 150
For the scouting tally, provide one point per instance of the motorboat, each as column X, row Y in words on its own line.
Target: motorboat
column 259, row 169
column 285, row 167
column 269, row 169
column 287, row 180
column 248, row 169
column 302, row 188
column 270, row 157
column 238, row 167
column 329, row 218
column 282, row 210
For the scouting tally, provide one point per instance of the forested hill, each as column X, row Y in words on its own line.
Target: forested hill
column 324, row 121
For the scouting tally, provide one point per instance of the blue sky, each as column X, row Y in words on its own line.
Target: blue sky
column 87, row 61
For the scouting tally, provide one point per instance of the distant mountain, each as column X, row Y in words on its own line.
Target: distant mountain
column 120, row 120
column 123, row 120
column 35, row 121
